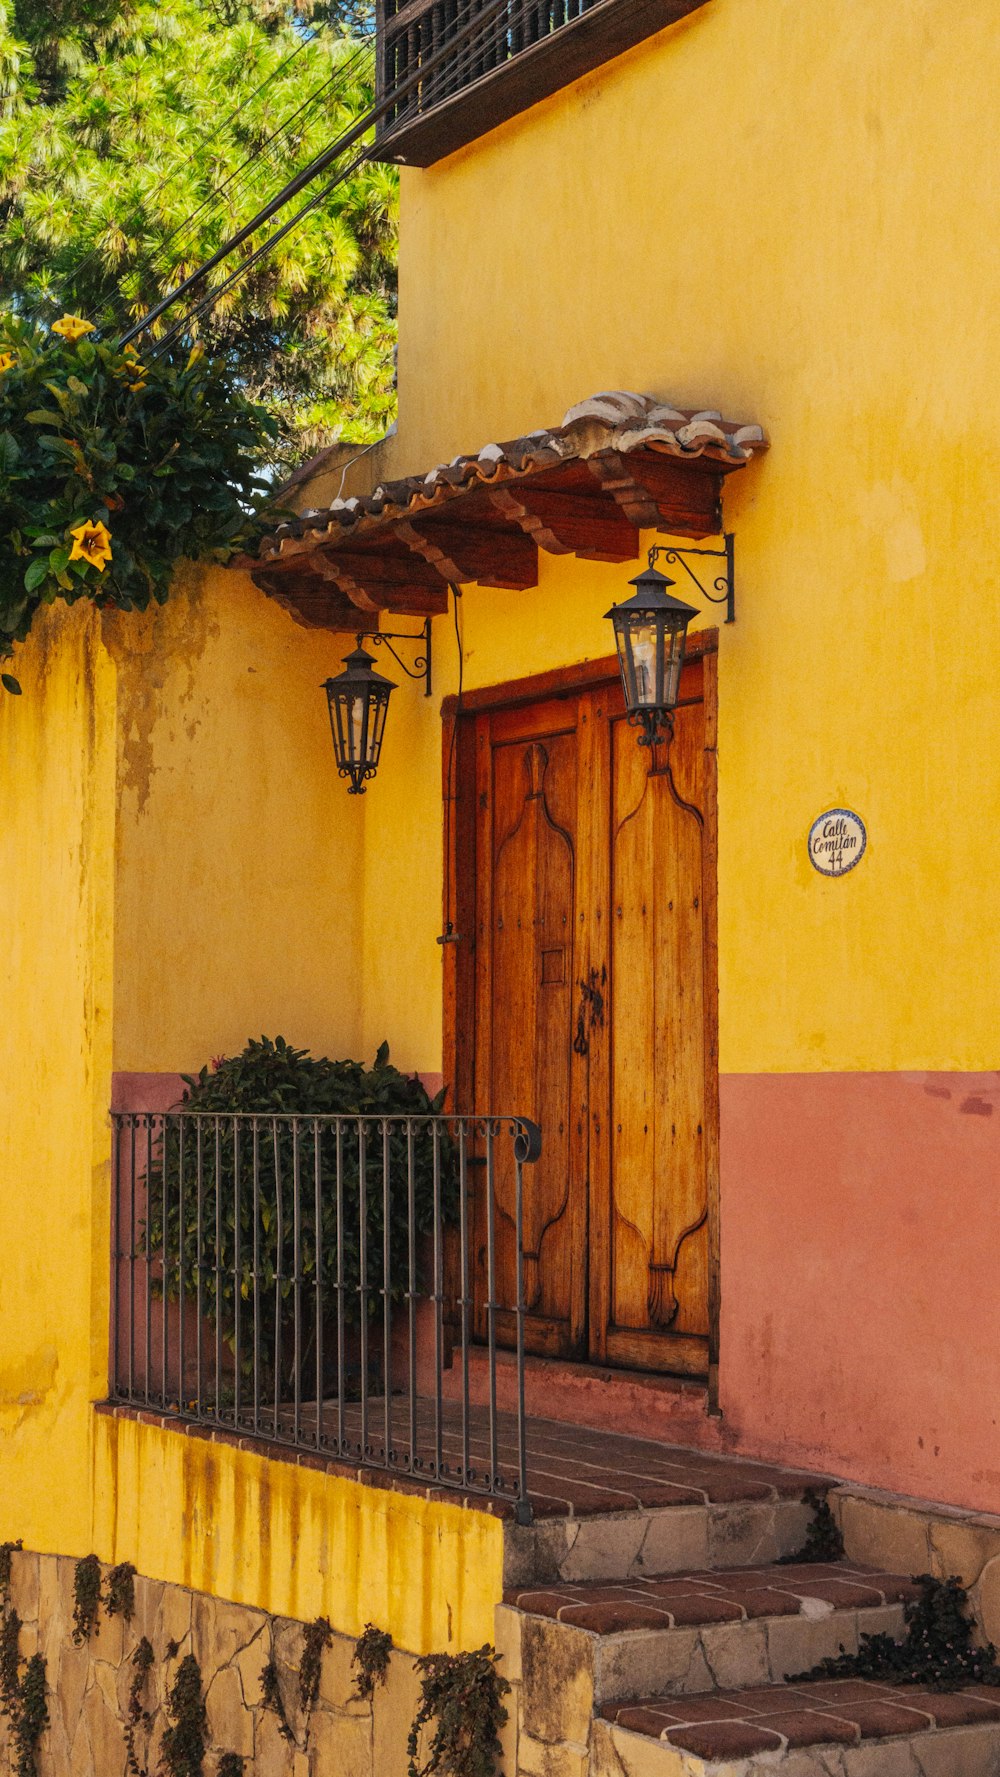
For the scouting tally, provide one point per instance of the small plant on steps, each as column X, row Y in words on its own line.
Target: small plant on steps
column 823, row 1539
column 937, row 1651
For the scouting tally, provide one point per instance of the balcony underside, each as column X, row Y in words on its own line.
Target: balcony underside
column 472, row 102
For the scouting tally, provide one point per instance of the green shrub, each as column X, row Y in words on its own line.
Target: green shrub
column 271, row 1079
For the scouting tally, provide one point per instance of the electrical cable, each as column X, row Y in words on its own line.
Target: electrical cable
column 318, row 165
column 340, row 80
column 449, row 935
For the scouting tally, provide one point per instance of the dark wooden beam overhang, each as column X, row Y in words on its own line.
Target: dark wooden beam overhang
column 619, row 465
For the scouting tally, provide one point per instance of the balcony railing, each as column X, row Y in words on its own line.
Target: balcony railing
column 311, row 1282
column 461, row 67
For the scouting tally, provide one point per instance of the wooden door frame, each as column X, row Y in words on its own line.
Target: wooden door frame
column 458, row 764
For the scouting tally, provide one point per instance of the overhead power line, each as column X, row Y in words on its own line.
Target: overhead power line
column 389, row 101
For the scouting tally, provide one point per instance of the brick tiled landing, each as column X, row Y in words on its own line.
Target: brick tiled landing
column 723, row 1726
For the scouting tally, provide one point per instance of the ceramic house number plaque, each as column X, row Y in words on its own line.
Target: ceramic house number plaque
column 837, row 841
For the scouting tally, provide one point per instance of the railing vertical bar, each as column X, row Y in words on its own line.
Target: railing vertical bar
column 164, row 1264
column 237, row 1275
column 255, row 1366
column 297, row 1278
column 114, row 1367
column 181, row 1353
column 523, row 1503
column 219, row 1294
column 318, row 1257
column 363, row 1280
column 411, row 1290
column 463, row 1229
column 491, row 1296
column 341, row 1358
column 199, row 1263
column 131, row 1260
column 438, row 1299
column 387, row 1289
column 148, row 1353
column 278, row 1279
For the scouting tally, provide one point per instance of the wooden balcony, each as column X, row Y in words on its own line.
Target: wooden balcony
column 463, row 66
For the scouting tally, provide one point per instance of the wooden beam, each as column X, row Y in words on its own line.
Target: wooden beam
column 382, row 582
column 569, row 524
column 661, row 493
column 502, row 556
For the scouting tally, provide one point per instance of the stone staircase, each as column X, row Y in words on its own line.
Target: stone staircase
column 657, row 1642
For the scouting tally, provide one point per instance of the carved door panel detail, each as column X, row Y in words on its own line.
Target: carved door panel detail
column 525, row 966
column 658, row 1296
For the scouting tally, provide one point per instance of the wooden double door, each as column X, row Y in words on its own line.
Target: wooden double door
column 594, row 1013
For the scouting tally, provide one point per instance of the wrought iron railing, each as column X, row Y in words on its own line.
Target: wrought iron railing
column 311, row 1282
column 458, row 43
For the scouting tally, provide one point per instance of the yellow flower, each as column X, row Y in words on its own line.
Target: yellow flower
column 135, row 387
column 91, row 542
column 7, row 361
column 72, row 328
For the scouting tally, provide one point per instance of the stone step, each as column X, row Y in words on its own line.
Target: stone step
column 844, row 1728
column 610, row 1507
column 686, row 1633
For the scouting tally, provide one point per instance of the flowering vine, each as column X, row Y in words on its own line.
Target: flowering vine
column 113, row 466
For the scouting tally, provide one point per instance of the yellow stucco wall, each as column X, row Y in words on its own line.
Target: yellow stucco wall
column 292, row 1540
column 56, row 861
column 780, row 211
column 159, row 773
column 238, row 860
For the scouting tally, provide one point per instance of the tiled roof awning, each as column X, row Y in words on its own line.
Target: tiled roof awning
column 618, row 464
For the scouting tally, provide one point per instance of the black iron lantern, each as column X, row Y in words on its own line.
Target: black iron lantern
column 650, row 630
column 358, row 699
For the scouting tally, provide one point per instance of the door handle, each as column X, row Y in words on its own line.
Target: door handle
column 590, row 1012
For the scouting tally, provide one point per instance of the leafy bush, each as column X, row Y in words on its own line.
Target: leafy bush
column 113, row 467
column 273, row 1080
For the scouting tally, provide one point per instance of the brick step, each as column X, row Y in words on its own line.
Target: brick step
column 844, row 1728
column 685, row 1633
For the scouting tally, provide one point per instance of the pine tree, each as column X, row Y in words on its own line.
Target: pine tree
column 119, row 119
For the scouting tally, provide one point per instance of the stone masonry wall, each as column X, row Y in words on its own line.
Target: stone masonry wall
column 88, row 1685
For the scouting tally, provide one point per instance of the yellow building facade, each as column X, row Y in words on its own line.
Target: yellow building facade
column 770, row 212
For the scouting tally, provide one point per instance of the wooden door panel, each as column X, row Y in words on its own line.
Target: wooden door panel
column 527, row 988
column 594, row 930
column 659, row 1234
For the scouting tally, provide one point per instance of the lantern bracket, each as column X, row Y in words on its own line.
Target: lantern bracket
column 724, row 585
column 384, row 638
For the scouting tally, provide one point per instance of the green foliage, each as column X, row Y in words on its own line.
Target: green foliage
column 318, row 1636
column 119, row 120
column 270, row 1696
column 462, row 1694
column 157, row 458
column 9, row 1665
column 86, row 1599
column 185, row 1738
column 22, row 1696
column 371, row 1657
column 32, row 1717
column 120, row 1600
column 823, row 1539
column 937, row 1651
column 271, row 1076
column 7, row 1552
column 137, row 1715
